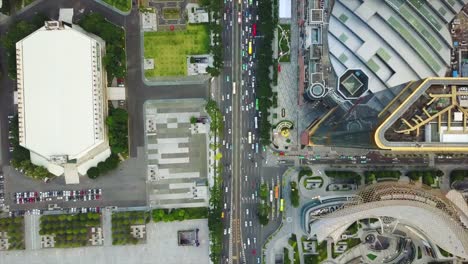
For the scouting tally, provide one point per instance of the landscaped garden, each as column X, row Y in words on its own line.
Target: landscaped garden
column 122, row 5
column 169, row 49
column 14, row 226
column 429, row 177
column 310, row 182
column 115, row 59
column 121, row 227
column 321, row 256
column 171, row 13
column 294, row 194
column 70, row 230
column 167, row 215
column 383, row 175
column 284, row 38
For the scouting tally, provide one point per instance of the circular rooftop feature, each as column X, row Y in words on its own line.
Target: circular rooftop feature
column 353, row 83
column 315, row 91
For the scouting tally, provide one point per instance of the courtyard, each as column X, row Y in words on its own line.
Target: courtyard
column 176, row 147
column 170, row 49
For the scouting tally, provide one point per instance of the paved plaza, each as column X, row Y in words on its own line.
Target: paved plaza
column 161, row 247
column 177, row 153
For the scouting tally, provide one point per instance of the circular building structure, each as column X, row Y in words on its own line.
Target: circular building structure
column 426, row 213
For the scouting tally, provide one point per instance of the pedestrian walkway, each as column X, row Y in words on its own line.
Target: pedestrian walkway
column 107, row 226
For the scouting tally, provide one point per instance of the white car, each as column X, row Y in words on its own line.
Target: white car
column 246, row 178
column 247, row 211
column 245, row 223
column 227, row 96
column 229, row 131
column 225, row 232
column 250, row 223
column 248, row 241
column 222, row 97
column 246, row 92
column 229, row 230
column 225, row 206
column 255, row 240
column 242, row 108
column 226, row 189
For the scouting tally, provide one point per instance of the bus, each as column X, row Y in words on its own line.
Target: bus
column 256, row 104
column 233, row 87
column 281, row 205
column 256, row 122
column 250, row 47
column 249, row 138
column 276, row 192
column 254, row 30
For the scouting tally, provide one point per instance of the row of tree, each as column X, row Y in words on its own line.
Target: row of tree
column 115, row 59
column 266, row 26
column 117, row 127
column 371, row 176
column 263, row 206
column 214, row 8
column 21, row 159
column 166, row 215
column 428, row 177
column 352, row 175
column 16, row 32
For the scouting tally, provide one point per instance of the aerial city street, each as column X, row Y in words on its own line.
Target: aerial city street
column 234, row 131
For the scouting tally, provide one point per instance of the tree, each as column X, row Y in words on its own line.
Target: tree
column 93, row 172
column 193, row 120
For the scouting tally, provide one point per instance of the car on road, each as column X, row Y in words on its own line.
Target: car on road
column 248, row 241
column 229, row 131
column 226, row 189
column 225, row 206
column 225, row 232
column 250, row 223
column 247, row 211
column 245, row 223
column 255, row 240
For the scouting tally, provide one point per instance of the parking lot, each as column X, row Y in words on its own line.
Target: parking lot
column 123, row 187
column 177, row 151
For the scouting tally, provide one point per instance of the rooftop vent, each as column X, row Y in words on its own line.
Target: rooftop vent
column 53, row 25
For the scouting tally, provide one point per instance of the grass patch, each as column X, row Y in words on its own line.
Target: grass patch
column 171, row 13
column 371, row 256
column 286, row 259
column 121, row 222
column 444, row 253
column 313, row 178
column 352, row 242
column 284, row 42
column 122, row 5
column 169, row 49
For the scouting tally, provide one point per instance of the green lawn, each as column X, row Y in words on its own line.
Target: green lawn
column 283, row 43
column 171, row 13
column 122, row 5
column 170, row 48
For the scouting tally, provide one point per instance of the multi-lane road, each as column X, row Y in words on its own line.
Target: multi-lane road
column 242, row 154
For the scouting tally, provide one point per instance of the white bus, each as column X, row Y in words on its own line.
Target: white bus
column 250, row 137
column 233, row 87
column 256, row 122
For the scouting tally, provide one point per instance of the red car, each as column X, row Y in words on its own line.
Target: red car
column 254, row 30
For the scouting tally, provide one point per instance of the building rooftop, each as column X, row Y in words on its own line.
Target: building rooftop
column 392, row 41
column 426, row 116
column 59, row 109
